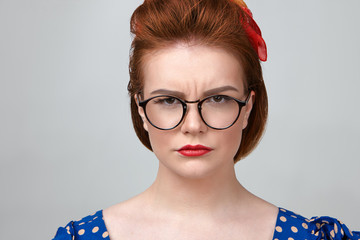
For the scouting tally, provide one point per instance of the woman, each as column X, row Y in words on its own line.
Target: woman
column 198, row 101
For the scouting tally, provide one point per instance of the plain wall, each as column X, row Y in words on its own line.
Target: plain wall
column 67, row 147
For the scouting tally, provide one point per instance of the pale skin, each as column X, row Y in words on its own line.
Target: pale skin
column 194, row 198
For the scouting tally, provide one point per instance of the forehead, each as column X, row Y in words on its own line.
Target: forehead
column 191, row 69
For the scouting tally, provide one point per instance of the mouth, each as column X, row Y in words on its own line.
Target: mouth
column 194, row 150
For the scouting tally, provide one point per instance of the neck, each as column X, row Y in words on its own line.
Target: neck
column 215, row 194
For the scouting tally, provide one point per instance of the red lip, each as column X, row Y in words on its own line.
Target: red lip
column 194, row 150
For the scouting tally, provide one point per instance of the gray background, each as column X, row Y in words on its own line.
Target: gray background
column 67, row 147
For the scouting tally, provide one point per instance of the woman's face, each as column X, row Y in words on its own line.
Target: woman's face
column 192, row 73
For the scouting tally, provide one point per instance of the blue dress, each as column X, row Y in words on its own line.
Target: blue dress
column 289, row 226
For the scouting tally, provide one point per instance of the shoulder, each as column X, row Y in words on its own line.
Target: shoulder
column 90, row 226
column 290, row 226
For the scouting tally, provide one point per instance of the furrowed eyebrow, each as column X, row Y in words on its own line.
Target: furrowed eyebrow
column 168, row 92
column 220, row 89
column 206, row 93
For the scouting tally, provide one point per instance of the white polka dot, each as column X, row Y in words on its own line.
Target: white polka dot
column 68, row 228
column 290, row 238
column 342, row 231
column 95, row 217
column 283, row 219
column 305, row 225
column 336, row 228
column 279, row 229
column 81, row 223
column 283, row 210
column 332, row 233
column 95, row 229
column 81, row 232
column 105, row 234
column 294, row 229
column 294, row 216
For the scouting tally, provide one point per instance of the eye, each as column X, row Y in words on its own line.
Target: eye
column 219, row 99
column 166, row 100
column 170, row 100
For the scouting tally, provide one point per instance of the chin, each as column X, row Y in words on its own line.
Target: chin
column 196, row 168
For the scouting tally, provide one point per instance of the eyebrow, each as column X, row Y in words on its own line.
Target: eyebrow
column 206, row 93
column 220, row 89
column 168, row 92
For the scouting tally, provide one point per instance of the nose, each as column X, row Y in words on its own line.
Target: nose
column 192, row 122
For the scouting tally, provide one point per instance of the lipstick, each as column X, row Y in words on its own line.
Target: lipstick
column 194, row 150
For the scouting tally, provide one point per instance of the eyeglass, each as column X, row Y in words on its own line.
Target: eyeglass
column 217, row 111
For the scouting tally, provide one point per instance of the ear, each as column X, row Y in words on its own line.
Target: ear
column 141, row 112
column 248, row 108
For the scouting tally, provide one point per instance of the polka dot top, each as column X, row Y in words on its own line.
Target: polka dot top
column 91, row 227
column 289, row 226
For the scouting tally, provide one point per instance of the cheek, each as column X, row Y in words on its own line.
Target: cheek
column 231, row 138
column 160, row 140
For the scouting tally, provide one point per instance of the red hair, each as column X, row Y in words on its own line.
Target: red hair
column 158, row 24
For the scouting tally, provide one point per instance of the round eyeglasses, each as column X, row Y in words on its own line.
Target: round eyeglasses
column 217, row 111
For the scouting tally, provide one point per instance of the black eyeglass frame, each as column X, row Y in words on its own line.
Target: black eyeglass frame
column 199, row 104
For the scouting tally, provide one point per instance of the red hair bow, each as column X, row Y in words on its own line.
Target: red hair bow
column 253, row 31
